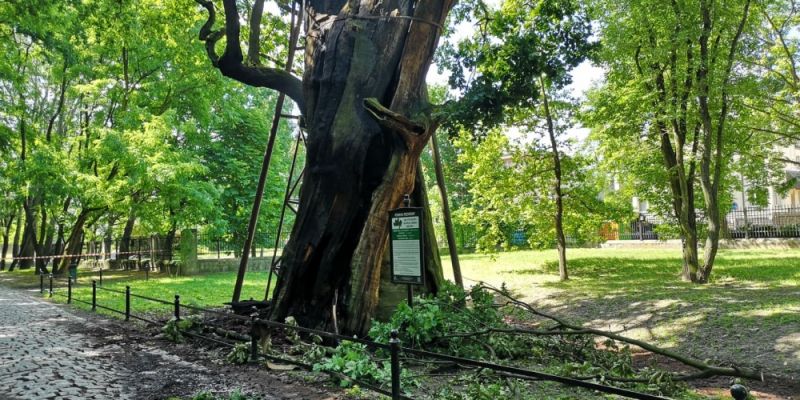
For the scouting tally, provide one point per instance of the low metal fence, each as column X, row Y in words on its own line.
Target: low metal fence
column 394, row 346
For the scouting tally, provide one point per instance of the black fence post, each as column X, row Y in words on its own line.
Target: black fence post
column 253, row 336
column 177, row 307
column 127, row 303
column 738, row 392
column 51, row 285
column 94, row 295
column 69, row 291
column 394, row 346
column 41, row 283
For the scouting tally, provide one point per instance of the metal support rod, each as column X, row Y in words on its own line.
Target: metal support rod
column 69, row 291
column 253, row 336
column 286, row 197
column 51, row 285
column 394, row 345
column 177, row 307
column 41, row 283
column 94, row 295
column 448, row 222
column 262, row 179
column 127, row 303
column 410, row 296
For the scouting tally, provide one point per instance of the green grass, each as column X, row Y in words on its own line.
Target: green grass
column 748, row 314
column 208, row 291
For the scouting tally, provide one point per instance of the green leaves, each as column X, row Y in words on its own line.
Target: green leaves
column 498, row 68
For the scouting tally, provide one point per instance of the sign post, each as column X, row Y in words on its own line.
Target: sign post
column 406, row 246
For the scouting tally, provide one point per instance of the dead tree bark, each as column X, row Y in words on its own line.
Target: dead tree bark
column 365, row 108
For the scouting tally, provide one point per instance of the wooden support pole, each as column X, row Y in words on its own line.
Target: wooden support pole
column 262, row 179
column 448, row 223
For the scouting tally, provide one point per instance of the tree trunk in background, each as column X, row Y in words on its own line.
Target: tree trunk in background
column 41, row 249
column 125, row 240
column 74, row 243
column 28, row 247
column 15, row 244
column 561, row 241
column 357, row 169
column 6, row 236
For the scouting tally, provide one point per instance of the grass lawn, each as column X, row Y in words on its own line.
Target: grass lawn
column 749, row 314
column 208, row 291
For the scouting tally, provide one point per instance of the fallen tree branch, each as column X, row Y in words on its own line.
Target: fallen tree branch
column 705, row 370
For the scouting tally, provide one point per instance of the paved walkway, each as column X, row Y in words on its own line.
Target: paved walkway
column 41, row 359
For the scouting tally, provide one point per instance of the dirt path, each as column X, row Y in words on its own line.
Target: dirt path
column 50, row 351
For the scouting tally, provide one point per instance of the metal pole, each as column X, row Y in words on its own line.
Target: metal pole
column 69, row 291
column 51, row 285
column 744, row 210
column 410, row 296
column 127, row 303
column 287, row 195
column 41, row 283
column 177, row 307
column 394, row 347
column 94, row 295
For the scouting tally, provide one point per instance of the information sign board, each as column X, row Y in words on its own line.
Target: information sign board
column 406, row 245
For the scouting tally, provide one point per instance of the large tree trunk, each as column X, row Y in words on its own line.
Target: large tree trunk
column 361, row 157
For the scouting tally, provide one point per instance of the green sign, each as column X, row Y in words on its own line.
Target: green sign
column 406, row 246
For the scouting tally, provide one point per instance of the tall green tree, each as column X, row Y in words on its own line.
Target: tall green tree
column 522, row 52
column 677, row 82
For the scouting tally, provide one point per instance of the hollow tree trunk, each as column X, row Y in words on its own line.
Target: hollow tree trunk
column 361, row 155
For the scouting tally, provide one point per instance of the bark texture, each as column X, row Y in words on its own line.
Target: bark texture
column 367, row 117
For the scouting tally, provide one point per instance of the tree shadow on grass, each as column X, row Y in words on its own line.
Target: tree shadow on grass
column 748, row 315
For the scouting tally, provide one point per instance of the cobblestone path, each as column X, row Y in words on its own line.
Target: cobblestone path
column 50, row 352
column 41, row 359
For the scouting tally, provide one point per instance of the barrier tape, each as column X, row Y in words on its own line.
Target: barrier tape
column 88, row 255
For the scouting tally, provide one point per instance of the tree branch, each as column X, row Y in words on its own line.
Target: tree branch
column 411, row 131
column 230, row 64
column 706, row 370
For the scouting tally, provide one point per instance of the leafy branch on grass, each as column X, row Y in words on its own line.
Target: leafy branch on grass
column 563, row 327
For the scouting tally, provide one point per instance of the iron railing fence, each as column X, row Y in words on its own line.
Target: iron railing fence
column 753, row 222
column 213, row 246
